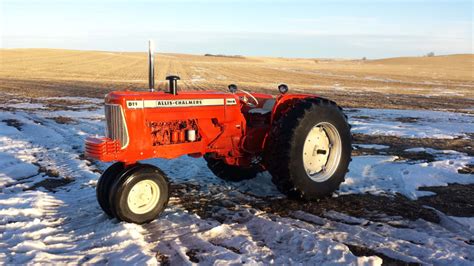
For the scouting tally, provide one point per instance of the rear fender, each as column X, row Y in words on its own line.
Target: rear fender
column 285, row 101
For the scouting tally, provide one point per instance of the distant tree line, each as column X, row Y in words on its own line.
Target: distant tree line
column 223, row 55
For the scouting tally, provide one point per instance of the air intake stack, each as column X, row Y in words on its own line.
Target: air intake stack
column 173, row 84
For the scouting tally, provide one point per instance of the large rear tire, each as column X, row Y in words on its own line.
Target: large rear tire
column 229, row 172
column 309, row 149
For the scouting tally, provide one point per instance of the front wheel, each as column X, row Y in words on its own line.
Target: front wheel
column 309, row 149
column 140, row 194
column 103, row 186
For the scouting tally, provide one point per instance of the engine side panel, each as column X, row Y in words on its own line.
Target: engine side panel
column 161, row 125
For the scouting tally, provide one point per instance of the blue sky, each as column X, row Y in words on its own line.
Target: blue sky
column 318, row 28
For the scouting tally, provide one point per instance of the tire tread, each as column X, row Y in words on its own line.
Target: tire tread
column 277, row 151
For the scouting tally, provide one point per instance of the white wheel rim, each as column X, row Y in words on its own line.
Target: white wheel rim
column 143, row 197
column 322, row 152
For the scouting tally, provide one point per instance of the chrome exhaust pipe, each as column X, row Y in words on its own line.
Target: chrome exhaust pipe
column 151, row 66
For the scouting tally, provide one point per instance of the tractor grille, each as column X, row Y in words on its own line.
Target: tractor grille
column 116, row 125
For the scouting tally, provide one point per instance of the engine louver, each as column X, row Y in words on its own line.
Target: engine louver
column 116, row 125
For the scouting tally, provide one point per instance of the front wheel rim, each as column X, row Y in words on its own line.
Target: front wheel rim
column 322, row 152
column 143, row 197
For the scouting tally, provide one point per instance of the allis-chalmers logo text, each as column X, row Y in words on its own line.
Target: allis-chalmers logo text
column 179, row 103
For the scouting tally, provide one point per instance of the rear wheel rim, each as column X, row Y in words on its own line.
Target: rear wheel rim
column 143, row 197
column 322, row 152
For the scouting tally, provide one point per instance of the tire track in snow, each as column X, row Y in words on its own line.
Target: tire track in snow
column 245, row 234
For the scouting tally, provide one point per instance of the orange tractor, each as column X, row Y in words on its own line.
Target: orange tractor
column 302, row 140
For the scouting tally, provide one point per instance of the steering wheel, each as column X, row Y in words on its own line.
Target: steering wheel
column 251, row 97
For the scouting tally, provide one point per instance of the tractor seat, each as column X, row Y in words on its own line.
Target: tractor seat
column 266, row 108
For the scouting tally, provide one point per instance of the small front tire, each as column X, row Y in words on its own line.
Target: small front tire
column 140, row 194
column 103, row 186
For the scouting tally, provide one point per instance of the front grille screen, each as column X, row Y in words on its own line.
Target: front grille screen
column 116, row 127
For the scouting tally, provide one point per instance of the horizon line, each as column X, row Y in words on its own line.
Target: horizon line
column 231, row 55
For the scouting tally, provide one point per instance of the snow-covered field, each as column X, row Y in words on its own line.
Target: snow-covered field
column 49, row 214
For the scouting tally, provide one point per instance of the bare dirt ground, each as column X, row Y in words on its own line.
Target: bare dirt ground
column 444, row 82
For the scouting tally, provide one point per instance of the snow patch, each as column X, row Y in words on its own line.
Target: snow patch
column 411, row 123
column 373, row 146
column 466, row 221
column 384, row 174
column 12, row 169
column 32, row 106
column 197, row 78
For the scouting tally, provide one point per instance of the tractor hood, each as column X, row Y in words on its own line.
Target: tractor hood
column 139, row 100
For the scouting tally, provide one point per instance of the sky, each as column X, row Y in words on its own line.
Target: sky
column 298, row 28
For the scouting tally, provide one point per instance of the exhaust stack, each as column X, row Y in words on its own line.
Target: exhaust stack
column 151, row 66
